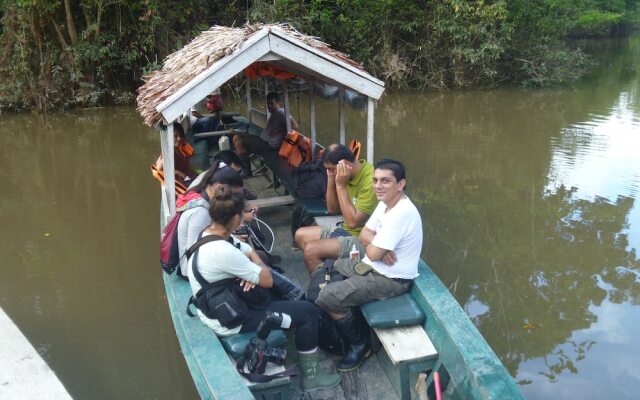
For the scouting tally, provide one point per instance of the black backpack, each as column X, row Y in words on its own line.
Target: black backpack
column 310, row 179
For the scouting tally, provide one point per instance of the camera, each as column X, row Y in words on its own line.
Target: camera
column 242, row 230
column 258, row 352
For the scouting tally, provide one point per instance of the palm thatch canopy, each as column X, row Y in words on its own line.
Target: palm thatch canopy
column 220, row 53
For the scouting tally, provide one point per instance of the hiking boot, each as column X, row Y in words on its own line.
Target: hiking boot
column 356, row 331
column 312, row 377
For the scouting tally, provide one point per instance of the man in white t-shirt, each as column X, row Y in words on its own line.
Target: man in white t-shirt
column 392, row 238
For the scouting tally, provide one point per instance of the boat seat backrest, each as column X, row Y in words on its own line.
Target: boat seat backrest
column 393, row 312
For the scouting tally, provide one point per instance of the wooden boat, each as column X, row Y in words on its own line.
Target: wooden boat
column 446, row 341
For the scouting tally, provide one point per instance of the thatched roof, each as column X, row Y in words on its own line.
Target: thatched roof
column 201, row 53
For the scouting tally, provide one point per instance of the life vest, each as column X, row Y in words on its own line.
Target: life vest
column 355, row 146
column 159, row 175
column 296, row 149
column 258, row 69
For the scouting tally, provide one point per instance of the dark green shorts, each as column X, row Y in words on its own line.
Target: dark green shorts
column 357, row 290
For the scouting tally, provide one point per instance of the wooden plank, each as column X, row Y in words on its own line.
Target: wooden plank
column 266, row 92
column 323, row 67
column 287, row 110
column 270, row 57
column 248, row 83
column 216, row 75
column 273, row 201
column 341, row 115
column 312, row 117
column 406, row 343
column 370, row 133
column 166, row 144
column 201, row 135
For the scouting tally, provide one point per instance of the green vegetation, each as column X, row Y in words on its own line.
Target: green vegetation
column 58, row 54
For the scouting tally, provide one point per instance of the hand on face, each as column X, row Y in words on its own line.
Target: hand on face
column 343, row 173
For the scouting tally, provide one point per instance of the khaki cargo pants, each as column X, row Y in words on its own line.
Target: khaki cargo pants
column 356, row 290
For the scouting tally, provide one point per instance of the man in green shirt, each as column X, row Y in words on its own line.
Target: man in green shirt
column 350, row 193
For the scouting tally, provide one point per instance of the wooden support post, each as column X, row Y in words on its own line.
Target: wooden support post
column 370, row 119
column 287, row 111
column 166, row 142
column 342, row 115
column 188, row 118
column 312, row 118
column 266, row 92
column 248, row 81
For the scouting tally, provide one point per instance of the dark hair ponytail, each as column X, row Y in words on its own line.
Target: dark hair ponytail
column 225, row 204
column 216, row 174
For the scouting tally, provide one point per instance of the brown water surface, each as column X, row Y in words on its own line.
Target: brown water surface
column 528, row 200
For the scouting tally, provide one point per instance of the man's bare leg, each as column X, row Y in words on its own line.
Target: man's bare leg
column 306, row 234
column 316, row 251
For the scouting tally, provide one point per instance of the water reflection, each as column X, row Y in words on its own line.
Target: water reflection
column 531, row 219
column 78, row 211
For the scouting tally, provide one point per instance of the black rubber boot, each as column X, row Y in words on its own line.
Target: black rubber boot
column 285, row 287
column 356, row 331
column 245, row 163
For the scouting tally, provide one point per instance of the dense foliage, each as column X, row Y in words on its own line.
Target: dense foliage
column 62, row 53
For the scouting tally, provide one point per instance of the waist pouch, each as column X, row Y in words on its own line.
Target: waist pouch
column 220, row 301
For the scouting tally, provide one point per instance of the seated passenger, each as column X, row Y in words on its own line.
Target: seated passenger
column 392, row 238
column 349, row 192
column 201, row 123
column 181, row 154
column 270, row 139
column 231, row 159
column 195, row 218
column 221, row 259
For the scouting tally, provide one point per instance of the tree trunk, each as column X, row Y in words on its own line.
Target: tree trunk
column 71, row 27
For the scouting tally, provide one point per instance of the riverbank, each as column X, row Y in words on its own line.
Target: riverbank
column 57, row 56
column 23, row 373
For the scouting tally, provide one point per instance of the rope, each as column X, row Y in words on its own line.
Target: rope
column 255, row 237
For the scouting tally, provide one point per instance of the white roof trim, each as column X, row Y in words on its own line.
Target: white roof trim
column 325, row 67
column 212, row 78
column 269, row 45
column 282, row 34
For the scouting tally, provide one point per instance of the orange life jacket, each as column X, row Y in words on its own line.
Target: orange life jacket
column 296, row 149
column 355, row 146
column 159, row 175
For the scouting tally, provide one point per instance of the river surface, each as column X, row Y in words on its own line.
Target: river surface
column 528, row 200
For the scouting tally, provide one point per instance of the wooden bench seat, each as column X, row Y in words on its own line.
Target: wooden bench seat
column 397, row 322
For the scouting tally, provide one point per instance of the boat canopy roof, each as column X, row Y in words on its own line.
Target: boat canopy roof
column 220, row 53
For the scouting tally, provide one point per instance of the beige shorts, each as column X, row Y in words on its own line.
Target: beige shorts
column 346, row 242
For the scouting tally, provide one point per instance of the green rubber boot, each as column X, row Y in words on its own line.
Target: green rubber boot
column 312, row 377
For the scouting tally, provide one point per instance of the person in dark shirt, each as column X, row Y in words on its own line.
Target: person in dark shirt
column 269, row 140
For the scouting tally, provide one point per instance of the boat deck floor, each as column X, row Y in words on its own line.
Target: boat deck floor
column 367, row 382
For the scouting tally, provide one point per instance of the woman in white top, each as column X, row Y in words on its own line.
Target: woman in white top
column 222, row 259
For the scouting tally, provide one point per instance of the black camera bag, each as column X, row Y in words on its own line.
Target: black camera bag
column 218, row 300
